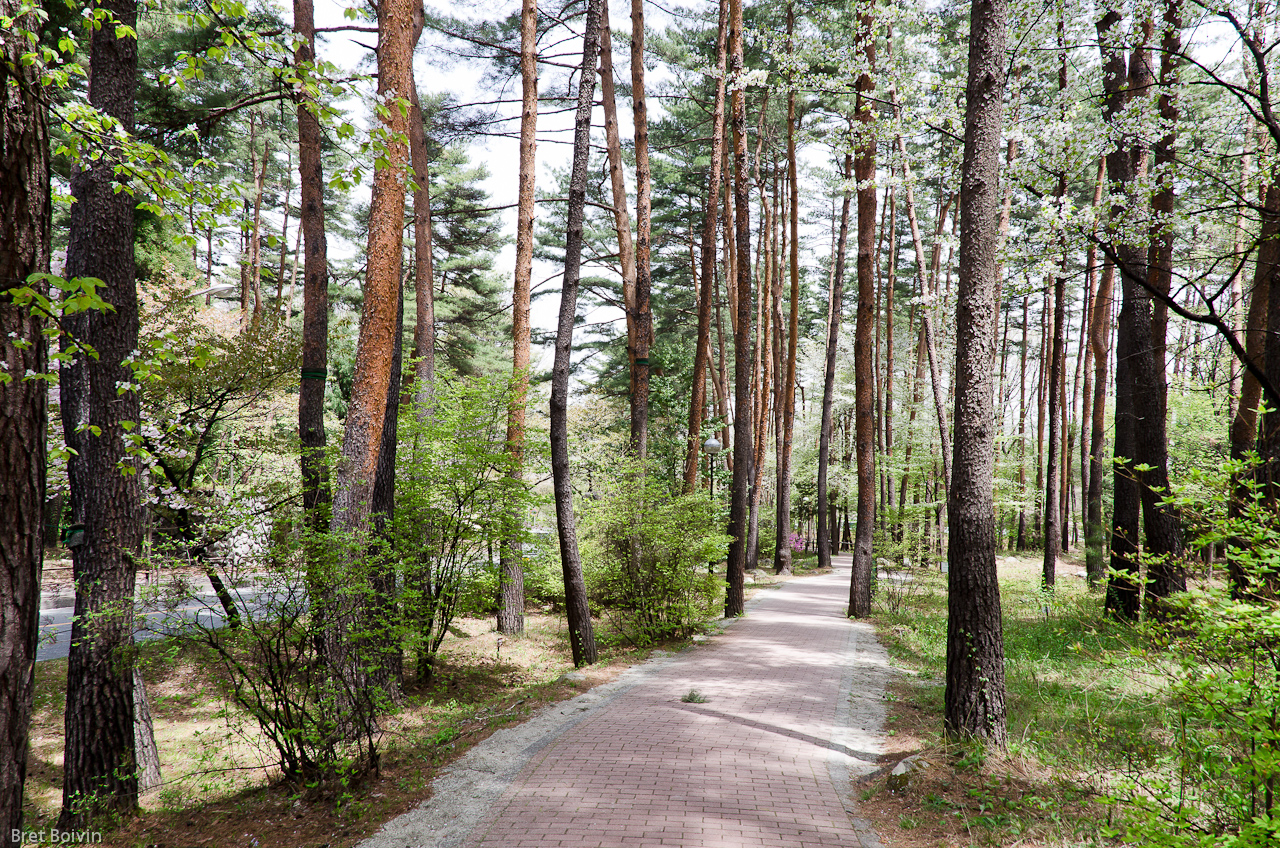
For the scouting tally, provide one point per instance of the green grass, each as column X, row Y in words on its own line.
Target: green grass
column 1081, row 708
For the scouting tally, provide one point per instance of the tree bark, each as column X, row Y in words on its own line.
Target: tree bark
column 926, row 295
column 782, row 520
column 644, row 183
column 99, row 766
column 1099, row 346
column 824, row 533
column 702, row 355
column 581, row 633
column 350, row 614
column 25, row 221
column 743, row 472
column 1244, row 425
column 511, row 581
column 376, row 345
column 1053, row 523
column 1140, row 399
column 1124, row 163
column 864, row 171
column 1161, row 523
column 975, row 693
column 315, row 286
column 385, row 662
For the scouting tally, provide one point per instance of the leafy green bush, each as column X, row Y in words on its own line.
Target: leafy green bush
column 314, row 656
column 454, row 503
column 645, row 554
column 1218, row 783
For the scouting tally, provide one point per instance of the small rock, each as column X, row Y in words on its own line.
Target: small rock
column 698, row 637
column 573, row 677
column 905, row 773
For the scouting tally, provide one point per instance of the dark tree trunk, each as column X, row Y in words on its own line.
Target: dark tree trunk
column 99, row 767
column 1161, row 523
column 1244, row 425
column 707, row 291
column 25, row 210
column 975, row 693
column 581, row 633
column 1054, row 471
column 643, row 313
column 386, row 663
column 357, row 600
column 864, row 171
column 1100, row 342
column 1125, row 162
column 1140, row 392
column 1053, row 468
column 315, row 286
column 786, row 433
column 743, row 427
column 825, row 531
column 511, row 580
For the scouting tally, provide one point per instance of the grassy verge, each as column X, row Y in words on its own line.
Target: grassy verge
column 1080, row 714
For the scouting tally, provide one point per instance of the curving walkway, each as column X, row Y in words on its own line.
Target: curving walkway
column 793, row 710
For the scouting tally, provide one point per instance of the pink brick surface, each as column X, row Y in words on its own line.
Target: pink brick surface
column 747, row 768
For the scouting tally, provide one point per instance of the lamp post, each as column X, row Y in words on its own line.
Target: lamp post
column 712, row 446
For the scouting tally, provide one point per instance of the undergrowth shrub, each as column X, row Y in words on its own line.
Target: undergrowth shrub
column 646, row 553
column 310, row 636
column 1218, row 781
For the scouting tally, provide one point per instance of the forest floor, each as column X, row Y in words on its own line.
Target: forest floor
column 1074, row 716
column 218, row 793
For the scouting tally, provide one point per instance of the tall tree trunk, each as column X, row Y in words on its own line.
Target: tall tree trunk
column 1100, row 341
column 1096, row 329
column 315, row 286
column 255, row 243
column 376, row 345
column 355, row 604
column 1161, row 523
column 975, row 693
column 25, row 220
column 1244, row 425
column 581, row 635
column 1057, row 362
column 710, row 219
column 864, row 172
column 1022, row 427
column 644, row 315
column 761, row 370
column 1123, row 161
column 1053, row 470
column 1140, row 384
column 829, row 379
column 511, row 580
column 890, row 285
column 385, row 660
column 743, row 426
column 782, row 521
column 99, row 765
column 926, row 321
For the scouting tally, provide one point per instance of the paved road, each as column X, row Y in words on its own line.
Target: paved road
column 794, row 709
column 202, row 607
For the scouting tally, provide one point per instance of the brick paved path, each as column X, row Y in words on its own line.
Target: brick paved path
column 764, row 762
